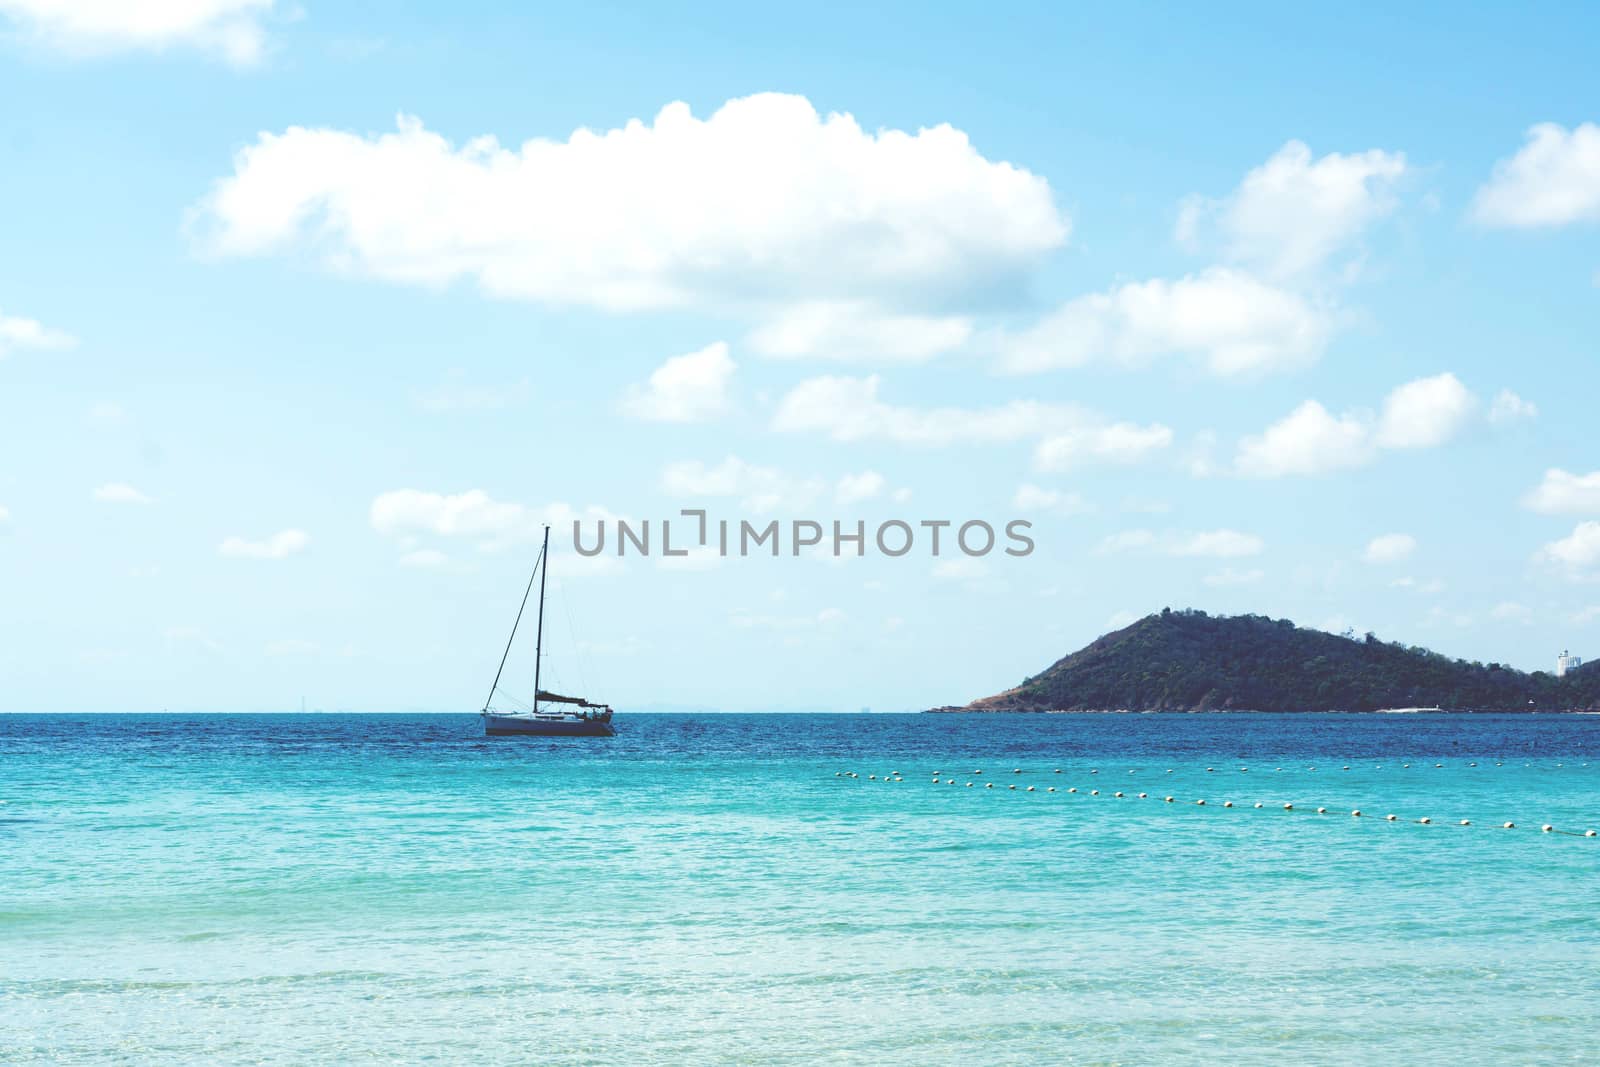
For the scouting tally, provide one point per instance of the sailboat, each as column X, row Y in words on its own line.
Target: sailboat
column 587, row 719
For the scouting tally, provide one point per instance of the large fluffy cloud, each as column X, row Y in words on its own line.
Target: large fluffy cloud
column 1554, row 179
column 1293, row 213
column 229, row 28
column 1232, row 322
column 1312, row 440
column 764, row 205
column 1578, row 552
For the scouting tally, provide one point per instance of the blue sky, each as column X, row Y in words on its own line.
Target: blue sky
column 1244, row 311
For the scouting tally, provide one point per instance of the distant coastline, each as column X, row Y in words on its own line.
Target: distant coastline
column 1188, row 661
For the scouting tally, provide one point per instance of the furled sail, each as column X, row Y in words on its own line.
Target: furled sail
column 557, row 698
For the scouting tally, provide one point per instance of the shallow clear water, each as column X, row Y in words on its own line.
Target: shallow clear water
column 335, row 889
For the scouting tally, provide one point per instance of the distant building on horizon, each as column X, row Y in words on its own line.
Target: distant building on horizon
column 1567, row 662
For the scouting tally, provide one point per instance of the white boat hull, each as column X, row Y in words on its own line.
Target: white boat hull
column 543, row 725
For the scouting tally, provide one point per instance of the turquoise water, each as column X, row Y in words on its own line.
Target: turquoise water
column 704, row 889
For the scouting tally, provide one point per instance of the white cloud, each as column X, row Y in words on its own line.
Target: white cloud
column 855, row 330
column 19, row 334
column 424, row 559
column 456, row 394
column 1311, row 440
column 961, row 568
column 1428, row 588
column 279, row 545
column 689, row 388
column 853, row 488
column 1553, row 180
column 1512, row 612
column 116, row 493
column 1425, row 413
column 760, row 489
column 824, row 618
column 848, row 409
column 1230, row 577
column 1508, row 407
column 1293, row 213
column 763, row 206
column 229, row 28
column 1209, row 544
column 1390, row 548
column 408, row 515
column 1562, row 493
column 1579, row 551
column 1034, row 498
column 1233, row 323
column 5, row 515
column 1118, row 443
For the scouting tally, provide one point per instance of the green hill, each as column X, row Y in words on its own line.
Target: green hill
column 1191, row 661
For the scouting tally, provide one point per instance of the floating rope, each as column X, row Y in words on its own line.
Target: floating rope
column 1288, row 806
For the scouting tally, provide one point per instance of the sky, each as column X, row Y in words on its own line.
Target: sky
column 312, row 315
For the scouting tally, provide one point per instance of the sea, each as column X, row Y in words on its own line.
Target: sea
column 798, row 889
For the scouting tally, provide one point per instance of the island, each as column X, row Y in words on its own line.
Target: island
column 1187, row 660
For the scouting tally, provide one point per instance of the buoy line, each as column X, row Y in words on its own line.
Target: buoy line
column 940, row 778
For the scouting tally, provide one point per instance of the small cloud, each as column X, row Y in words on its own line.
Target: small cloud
column 279, row 545
column 1214, row 544
column 117, row 493
column 1432, row 587
column 1034, row 498
column 964, row 569
column 1230, row 577
column 1390, row 548
column 1512, row 612
column 1508, row 407
column 688, row 388
column 424, row 558
column 1562, row 493
column 1577, row 552
column 854, row 488
column 20, row 335
column 456, row 394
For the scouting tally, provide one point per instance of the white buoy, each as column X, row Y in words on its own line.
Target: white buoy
column 1288, row 807
column 988, row 785
column 1017, row 771
column 1058, row 770
column 838, row 774
column 1073, row 789
column 1202, row 803
column 1143, row 796
column 1094, row 792
column 1094, row 770
column 1509, row 825
column 1030, row 789
column 1405, row 765
column 1322, row 811
column 872, row 777
column 1167, row 799
column 1424, row 820
column 1010, row 787
column 1227, row 803
column 1356, row 813
column 1259, row 804
column 1243, row 769
column 1119, row 794
column 1474, row 763
column 1210, row 769
column 1346, row 767
column 969, row 785
column 1547, row 828
column 1389, row 818
column 1589, row 833
column 1466, row 822
column 1051, row 789
column 1438, row 765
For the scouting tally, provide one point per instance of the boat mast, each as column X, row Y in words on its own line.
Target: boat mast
column 538, row 641
column 520, row 609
